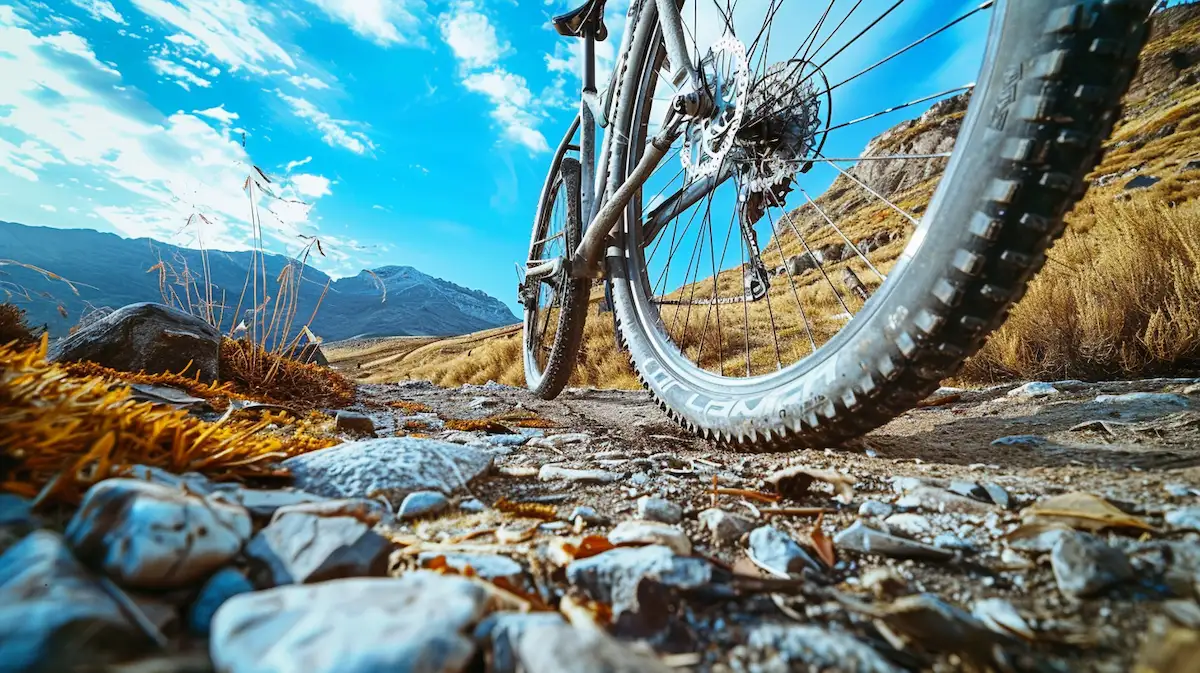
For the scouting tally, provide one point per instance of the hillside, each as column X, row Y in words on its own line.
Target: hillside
column 1136, row 241
column 111, row 271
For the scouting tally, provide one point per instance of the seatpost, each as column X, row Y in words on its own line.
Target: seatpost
column 587, row 130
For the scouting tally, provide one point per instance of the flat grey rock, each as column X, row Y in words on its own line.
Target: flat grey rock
column 725, row 527
column 419, row 622
column 1019, row 440
column 262, row 504
column 1141, row 406
column 391, row 467
column 146, row 337
column 906, row 524
column 303, row 548
column 1084, row 565
column 555, row 473
column 638, row 531
column 636, row 583
column 589, row 516
column 774, row 551
column 1033, row 389
column 47, row 599
column 655, row 508
column 795, row 647
column 421, row 504
column 223, row 585
column 506, row 440
column 149, row 536
column 933, row 499
column 500, row 632
column 562, row 648
column 866, row 540
column 487, row 566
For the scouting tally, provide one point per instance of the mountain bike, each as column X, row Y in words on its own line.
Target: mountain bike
column 775, row 284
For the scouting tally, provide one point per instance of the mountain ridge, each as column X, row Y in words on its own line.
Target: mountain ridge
column 111, row 271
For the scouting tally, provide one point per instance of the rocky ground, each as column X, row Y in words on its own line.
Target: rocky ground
column 1042, row 527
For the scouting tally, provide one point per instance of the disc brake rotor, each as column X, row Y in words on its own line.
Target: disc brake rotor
column 726, row 74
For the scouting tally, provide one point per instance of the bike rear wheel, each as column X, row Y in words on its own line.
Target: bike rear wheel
column 555, row 307
column 1048, row 90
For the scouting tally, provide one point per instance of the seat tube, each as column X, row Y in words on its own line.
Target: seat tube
column 587, row 131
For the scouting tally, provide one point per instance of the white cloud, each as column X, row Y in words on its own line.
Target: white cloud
column 384, row 22
column 228, row 31
column 145, row 172
column 335, row 132
column 70, row 43
column 100, row 10
column 178, row 73
column 307, row 82
column 471, row 36
column 296, row 164
column 313, row 186
column 48, row 208
column 219, row 113
column 512, row 101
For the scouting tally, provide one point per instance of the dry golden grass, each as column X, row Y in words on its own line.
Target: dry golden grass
column 13, row 329
column 1124, row 302
column 269, row 376
column 60, row 433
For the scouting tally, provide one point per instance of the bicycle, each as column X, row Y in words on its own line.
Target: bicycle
column 905, row 315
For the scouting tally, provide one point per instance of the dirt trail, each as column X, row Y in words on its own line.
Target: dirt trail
column 1141, row 453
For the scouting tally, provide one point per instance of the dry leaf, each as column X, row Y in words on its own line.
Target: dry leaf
column 1000, row 616
column 822, row 543
column 532, row 510
column 562, row 551
column 794, row 483
column 1082, row 511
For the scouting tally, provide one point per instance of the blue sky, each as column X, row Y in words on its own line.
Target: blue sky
column 397, row 131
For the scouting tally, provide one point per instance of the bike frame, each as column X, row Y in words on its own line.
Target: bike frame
column 601, row 201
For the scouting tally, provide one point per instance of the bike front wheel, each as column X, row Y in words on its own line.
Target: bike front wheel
column 555, row 306
column 817, row 290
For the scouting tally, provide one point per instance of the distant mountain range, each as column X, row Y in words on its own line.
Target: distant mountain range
column 112, row 271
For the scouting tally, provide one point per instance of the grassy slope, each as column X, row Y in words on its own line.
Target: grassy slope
column 1119, row 297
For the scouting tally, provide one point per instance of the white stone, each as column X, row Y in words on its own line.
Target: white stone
column 659, row 509
column 909, row 525
column 150, row 536
column 1033, row 389
column 418, row 622
column 391, row 467
column 651, row 532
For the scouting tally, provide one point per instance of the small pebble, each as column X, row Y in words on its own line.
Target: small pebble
column 422, row 503
column 875, row 509
column 659, row 509
column 724, row 526
column 472, row 506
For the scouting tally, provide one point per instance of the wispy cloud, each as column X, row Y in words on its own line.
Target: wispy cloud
column 229, row 31
column 307, row 82
column 100, row 10
column 178, row 73
column 219, row 113
column 335, row 132
column 470, row 35
column 384, row 22
column 313, row 186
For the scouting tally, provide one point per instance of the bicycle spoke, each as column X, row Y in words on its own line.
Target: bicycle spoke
column 845, row 238
column 820, row 265
column 876, row 194
column 986, row 5
column 795, row 294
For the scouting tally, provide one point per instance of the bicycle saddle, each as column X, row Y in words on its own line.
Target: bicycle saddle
column 575, row 22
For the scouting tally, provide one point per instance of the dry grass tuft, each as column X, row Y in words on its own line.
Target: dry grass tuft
column 13, row 329
column 61, row 433
column 411, row 407
column 1124, row 301
column 271, row 377
column 478, row 425
column 217, row 394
